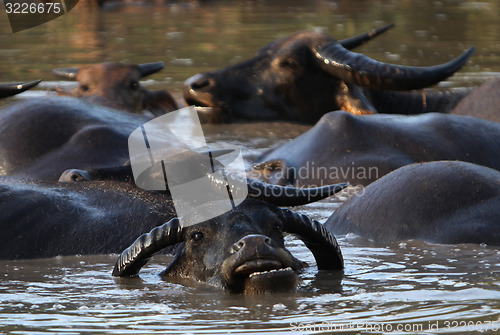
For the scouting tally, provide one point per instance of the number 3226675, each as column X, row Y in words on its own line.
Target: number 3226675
column 33, row 8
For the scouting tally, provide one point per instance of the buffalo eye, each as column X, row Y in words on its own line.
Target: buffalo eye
column 134, row 85
column 278, row 227
column 290, row 64
column 197, row 236
column 84, row 88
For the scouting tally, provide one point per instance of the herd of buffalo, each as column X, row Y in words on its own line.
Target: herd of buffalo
column 428, row 162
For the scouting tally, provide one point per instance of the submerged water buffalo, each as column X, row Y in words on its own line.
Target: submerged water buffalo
column 46, row 219
column 438, row 202
column 483, row 102
column 361, row 149
column 304, row 75
column 7, row 90
column 117, row 85
column 42, row 139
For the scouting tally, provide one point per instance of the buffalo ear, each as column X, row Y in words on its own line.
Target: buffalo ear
column 320, row 241
column 66, row 72
column 351, row 98
column 138, row 254
column 75, row 175
column 275, row 171
column 159, row 102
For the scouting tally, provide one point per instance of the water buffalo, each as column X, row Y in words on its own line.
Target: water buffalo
column 483, row 102
column 304, row 75
column 438, row 202
column 48, row 218
column 241, row 252
column 362, row 148
column 7, row 90
column 117, row 85
column 40, row 139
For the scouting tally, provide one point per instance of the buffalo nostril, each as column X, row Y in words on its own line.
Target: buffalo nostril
column 238, row 245
column 200, row 84
column 252, row 242
column 267, row 240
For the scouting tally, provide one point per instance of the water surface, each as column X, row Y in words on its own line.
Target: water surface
column 414, row 286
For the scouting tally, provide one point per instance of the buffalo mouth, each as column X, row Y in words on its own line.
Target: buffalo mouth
column 209, row 111
column 260, row 276
column 208, row 114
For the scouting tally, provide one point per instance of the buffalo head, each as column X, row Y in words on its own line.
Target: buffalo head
column 304, row 75
column 117, row 85
column 241, row 251
column 7, row 90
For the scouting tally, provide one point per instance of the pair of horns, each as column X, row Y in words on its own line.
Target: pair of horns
column 322, row 244
column 145, row 69
column 337, row 59
column 7, row 90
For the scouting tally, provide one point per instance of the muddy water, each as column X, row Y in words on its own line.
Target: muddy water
column 410, row 287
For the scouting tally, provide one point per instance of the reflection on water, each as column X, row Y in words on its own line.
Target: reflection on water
column 444, row 288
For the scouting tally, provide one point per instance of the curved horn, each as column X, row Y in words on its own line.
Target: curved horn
column 137, row 255
column 291, row 196
column 363, row 71
column 7, row 90
column 355, row 41
column 66, row 72
column 149, row 68
column 322, row 244
column 275, row 194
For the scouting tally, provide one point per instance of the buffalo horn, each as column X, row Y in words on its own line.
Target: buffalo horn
column 278, row 195
column 355, row 41
column 7, row 90
column 320, row 241
column 66, row 72
column 138, row 254
column 363, row 71
column 149, row 68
